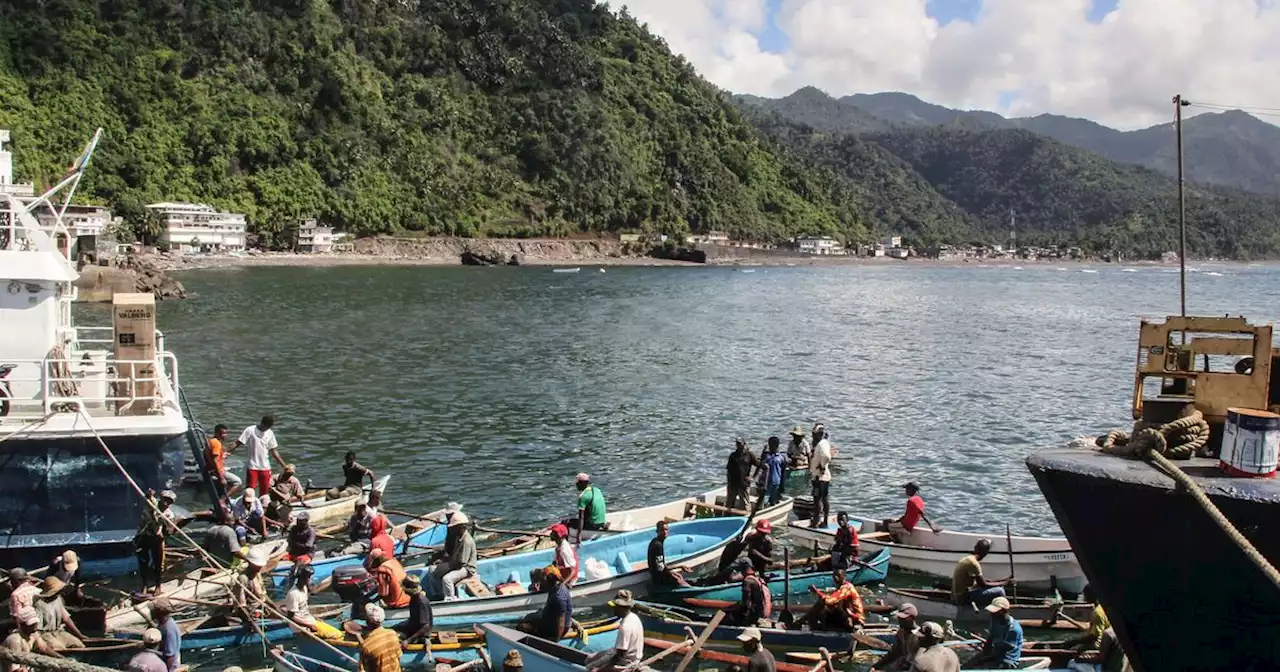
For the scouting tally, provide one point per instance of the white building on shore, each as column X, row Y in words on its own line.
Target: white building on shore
column 196, row 227
column 819, row 245
column 315, row 238
column 7, row 186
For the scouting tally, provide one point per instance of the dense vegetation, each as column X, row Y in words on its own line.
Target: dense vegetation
column 466, row 117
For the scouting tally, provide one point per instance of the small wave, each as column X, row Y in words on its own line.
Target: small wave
column 1060, row 268
column 1017, row 268
column 1214, row 274
column 1130, row 270
column 1087, row 270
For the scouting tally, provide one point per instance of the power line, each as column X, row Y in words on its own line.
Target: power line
column 1264, row 111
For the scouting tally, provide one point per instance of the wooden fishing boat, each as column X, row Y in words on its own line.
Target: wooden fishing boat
column 1041, row 564
column 461, row 647
column 328, row 511
column 936, row 605
column 874, row 570
column 419, row 532
column 539, row 655
column 669, row 623
column 102, row 651
column 224, row 631
column 691, row 543
column 723, row 657
column 199, row 585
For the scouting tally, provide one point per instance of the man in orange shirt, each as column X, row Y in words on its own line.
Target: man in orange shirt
column 840, row 609
column 215, row 457
column 389, row 575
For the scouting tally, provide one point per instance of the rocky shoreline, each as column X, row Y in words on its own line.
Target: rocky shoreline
column 145, row 274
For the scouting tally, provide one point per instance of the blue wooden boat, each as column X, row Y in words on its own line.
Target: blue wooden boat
column 669, row 623
column 223, row 632
column 431, row 534
column 691, row 543
column 875, row 569
column 538, row 655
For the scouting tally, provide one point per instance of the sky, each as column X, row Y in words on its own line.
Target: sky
column 1118, row 62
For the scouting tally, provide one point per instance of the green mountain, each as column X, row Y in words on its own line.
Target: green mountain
column 466, row 117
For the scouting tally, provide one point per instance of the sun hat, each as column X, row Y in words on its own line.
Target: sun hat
column 998, row 604
column 512, row 659
column 750, row 635
column 70, row 561
column 458, row 518
column 151, row 637
column 623, row 599
column 452, row 508
column 907, row 610
column 257, row 556
column 51, row 586
column 798, row 431
column 169, row 495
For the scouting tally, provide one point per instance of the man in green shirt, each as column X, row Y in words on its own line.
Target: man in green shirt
column 591, row 511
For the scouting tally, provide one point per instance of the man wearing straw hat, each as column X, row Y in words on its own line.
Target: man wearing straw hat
column 629, row 648
column 56, row 627
column 460, row 564
column 799, row 450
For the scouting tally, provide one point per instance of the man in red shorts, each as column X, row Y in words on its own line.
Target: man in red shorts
column 262, row 449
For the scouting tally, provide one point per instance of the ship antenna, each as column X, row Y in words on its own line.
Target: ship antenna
column 1178, row 104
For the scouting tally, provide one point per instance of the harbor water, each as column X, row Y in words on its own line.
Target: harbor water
column 494, row 386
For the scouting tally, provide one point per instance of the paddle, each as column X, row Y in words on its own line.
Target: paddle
column 788, row 619
column 1008, row 540
column 660, row 655
column 702, row 639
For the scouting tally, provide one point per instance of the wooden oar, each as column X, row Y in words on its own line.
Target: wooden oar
column 788, row 619
column 660, row 655
column 702, row 639
column 1008, row 540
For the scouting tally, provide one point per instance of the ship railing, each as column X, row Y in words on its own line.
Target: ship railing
column 97, row 382
column 101, row 338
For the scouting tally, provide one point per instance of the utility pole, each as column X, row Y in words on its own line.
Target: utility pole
column 1178, row 104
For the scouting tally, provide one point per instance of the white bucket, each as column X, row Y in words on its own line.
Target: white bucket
column 1250, row 443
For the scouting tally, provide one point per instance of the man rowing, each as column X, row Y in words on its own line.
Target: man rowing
column 1003, row 648
column 969, row 586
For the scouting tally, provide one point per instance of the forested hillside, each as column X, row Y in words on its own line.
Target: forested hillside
column 467, row 117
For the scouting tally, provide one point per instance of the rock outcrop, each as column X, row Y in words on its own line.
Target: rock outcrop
column 131, row 274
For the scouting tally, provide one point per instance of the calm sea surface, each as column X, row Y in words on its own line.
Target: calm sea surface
column 494, row 386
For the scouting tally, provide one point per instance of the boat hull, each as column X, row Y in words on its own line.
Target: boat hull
column 801, row 583
column 725, row 637
column 1041, row 564
column 932, row 606
column 1180, row 593
column 63, row 492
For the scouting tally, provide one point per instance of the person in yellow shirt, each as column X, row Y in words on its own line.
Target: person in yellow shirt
column 969, row 586
column 1091, row 640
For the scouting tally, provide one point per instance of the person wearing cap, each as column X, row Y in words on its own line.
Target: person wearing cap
column 148, row 659
column 56, row 627
column 774, row 468
column 215, row 460
column 905, row 641
column 845, row 549
column 902, row 527
column 629, row 647
column 838, row 609
column 591, row 507
column 742, row 462
column 756, row 603
column 389, row 575
column 933, row 656
column 557, row 612
column 286, row 490
column 170, row 635
column 353, row 475
column 221, row 539
column 301, row 539
column 659, row 573
column 417, row 627
column 25, row 638
column 261, row 442
column 24, row 591
column 512, row 662
column 798, row 449
column 67, row 568
column 249, row 515
column 249, row 583
column 359, row 529
column 461, row 561
column 379, row 646
column 759, row 546
column 820, row 477
column 148, row 543
column 759, row 659
column 969, row 586
column 1003, row 648
column 566, row 559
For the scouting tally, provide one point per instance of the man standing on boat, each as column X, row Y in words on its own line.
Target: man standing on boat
column 157, row 521
column 738, row 476
column 901, row 528
column 774, row 468
column 969, row 586
column 1003, row 648
column 591, row 507
column 215, row 460
column 262, row 449
column 820, row 476
column 845, row 549
column 353, row 475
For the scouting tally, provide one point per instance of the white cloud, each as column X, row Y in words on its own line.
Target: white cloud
column 1121, row 71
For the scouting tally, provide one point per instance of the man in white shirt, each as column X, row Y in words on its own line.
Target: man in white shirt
column 566, row 559
column 820, row 476
column 629, row 649
column 262, row 449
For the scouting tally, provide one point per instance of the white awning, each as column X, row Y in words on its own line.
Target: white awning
column 35, row 266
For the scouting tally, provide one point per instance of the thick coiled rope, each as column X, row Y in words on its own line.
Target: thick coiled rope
column 1181, row 439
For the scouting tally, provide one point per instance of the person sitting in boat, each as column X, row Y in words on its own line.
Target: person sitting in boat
column 221, row 540
column 353, row 475
column 742, row 462
column 845, row 550
column 170, row 634
column 23, row 593
column 1091, row 640
column 839, row 609
column 756, row 604
column 901, row 528
column 629, row 647
column 557, row 612
column 297, row 601
column 1108, row 658
column 301, row 539
column 460, row 564
column 798, row 450
column 359, row 529
column 56, row 627
column 249, row 515
column 148, row 659
column 933, row 655
column 389, row 575
column 249, row 585
column 759, row 659
column 591, row 507
column 379, row 647
column 157, row 521
column 26, row 639
column 659, row 572
column 759, row 546
column 774, row 467
column 67, row 568
column 969, row 586
column 417, row 628
column 566, row 559
column 1003, row 648
column 905, row 641
column 381, row 539
column 286, row 490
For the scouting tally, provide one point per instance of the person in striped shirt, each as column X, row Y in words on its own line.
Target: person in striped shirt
column 379, row 646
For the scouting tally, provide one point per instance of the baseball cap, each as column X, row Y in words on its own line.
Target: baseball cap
column 998, row 604
column 750, row 634
column 907, row 610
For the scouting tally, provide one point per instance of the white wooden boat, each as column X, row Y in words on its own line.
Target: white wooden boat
column 936, row 605
column 329, row 511
column 1041, row 564
column 710, row 502
column 199, row 584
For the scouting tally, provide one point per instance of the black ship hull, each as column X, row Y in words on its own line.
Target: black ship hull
column 1180, row 593
column 60, row 493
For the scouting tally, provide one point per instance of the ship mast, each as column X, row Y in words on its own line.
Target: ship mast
column 1178, row 104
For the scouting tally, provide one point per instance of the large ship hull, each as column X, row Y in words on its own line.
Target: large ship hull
column 1180, row 593
column 63, row 492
